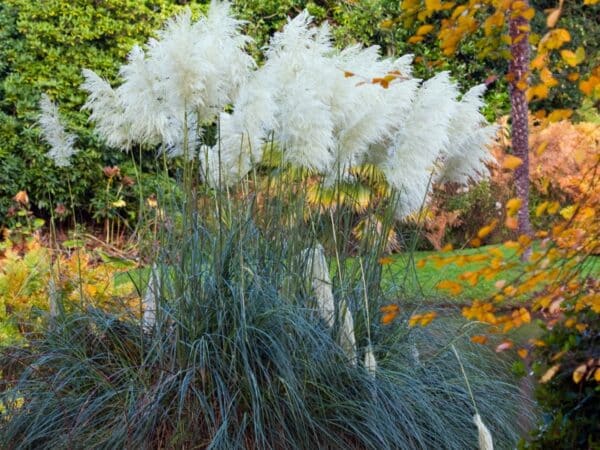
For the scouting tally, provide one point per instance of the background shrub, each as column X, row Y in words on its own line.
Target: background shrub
column 43, row 47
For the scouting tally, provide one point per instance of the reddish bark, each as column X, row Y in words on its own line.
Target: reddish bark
column 519, row 70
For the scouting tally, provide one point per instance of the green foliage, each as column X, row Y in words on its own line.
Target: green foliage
column 570, row 414
column 43, row 47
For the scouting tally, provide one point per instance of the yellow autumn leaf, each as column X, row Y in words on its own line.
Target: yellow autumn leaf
column 386, row 24
column 597, row 375
column 513, row 205
column 540, row 209
column 573, row 58
column 424, row 29
column 486, row 230
column 553, row 207
column 542, row 148
column 568, row 212
column 119, row 203
column 528, row 14
column 579, row 373
column 427, row 318
column 415, row 39
column 433, row 5
column 556, row 38
column 548, row 78
column 539, row 91
column 511, row 162
column 560, row 114
column 523, row 352
column 549, row 373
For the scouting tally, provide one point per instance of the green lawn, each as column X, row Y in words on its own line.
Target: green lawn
column 415, row 280
column 406, row 276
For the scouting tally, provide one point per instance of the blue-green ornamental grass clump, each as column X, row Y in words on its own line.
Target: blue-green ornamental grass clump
column 251, row 333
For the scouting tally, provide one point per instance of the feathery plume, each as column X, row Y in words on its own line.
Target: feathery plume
column 107, row 111
column 485, row 437
column 418, row 143
column 53, row 132
column 150, row 300
column 370, row 361
column 467, row 151
column 317, row 270
column 53, row 298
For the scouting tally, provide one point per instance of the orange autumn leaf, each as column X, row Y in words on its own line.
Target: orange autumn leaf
column 447, row 248
column 479, row 339
column 452, row 286
column 386, row 260
column 523, row 352
column 511, row 223
column 475, row 242
column 393, row 308
column 388, row 318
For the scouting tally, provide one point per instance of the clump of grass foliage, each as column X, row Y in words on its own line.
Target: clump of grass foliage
column 230, row 348
column 237, row 356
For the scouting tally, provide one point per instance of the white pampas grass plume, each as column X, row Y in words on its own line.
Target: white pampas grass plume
column 370, row 361
column 347, row 337
column 53, row 298
column 150, row 300
column 419, row 142
column 468, row 135
column 317, row 270
column 485, row 437
column 61, row 143
column 107, row 111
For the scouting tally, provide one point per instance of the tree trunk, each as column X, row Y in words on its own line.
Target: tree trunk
column 519, row 70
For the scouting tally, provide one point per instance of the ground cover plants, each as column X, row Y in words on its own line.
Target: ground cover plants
column 254, row 330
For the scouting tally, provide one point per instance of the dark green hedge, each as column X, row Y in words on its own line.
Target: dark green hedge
column 43, row 47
